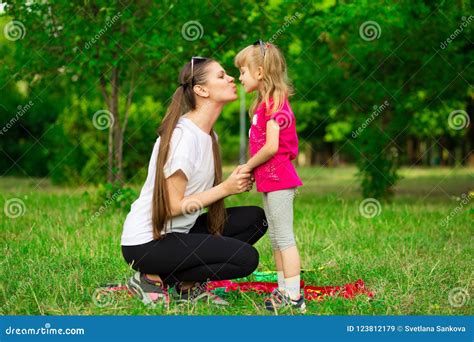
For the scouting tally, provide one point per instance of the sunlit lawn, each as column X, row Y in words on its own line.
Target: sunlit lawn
column 52, row 261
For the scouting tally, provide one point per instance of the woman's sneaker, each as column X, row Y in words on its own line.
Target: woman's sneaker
column 148, row 291
column 280, row 299
column 197, row 293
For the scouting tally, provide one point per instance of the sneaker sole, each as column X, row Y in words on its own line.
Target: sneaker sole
column 202, row 299
column 143, row 297
column 301, row 309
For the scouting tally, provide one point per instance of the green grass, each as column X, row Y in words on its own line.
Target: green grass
column 52, row 261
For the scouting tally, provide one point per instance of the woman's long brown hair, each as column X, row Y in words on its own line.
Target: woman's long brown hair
column 184, row 100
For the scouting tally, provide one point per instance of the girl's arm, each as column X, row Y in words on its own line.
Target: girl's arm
column 268, row 150
column 180, row 204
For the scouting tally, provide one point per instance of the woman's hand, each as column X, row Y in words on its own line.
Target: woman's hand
column 238, row 181
column 247, row 169
column 244, row 168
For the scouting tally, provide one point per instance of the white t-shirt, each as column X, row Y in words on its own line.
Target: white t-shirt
column 191, row 152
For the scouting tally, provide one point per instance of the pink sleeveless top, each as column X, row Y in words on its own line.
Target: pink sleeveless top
column 278, row 172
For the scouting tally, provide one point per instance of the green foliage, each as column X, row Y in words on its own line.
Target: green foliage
column 114, row 196
column 337, row 131
column 338, row 76
column 80, row 150
column 377, row 169
column 435, row 122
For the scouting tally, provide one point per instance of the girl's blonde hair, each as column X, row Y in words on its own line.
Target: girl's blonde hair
column 275, row 78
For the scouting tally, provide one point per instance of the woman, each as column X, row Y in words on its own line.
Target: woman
column 164, row 238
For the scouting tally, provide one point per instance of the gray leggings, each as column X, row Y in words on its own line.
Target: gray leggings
column 278, row 206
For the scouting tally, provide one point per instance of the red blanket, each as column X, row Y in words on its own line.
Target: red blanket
column 310, row 292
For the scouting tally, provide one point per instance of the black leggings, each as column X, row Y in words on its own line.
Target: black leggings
column 199, row 256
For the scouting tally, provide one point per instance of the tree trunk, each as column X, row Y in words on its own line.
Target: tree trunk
column 309, row 153
column 468, row 142
column 124, row 126
column 116, row 130
column 424, row 154
column 441, row 145
column 110, row 145
column 110, row 155
column 117, row 140
column 411, row 148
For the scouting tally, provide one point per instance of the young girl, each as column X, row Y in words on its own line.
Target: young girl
column 273, row 145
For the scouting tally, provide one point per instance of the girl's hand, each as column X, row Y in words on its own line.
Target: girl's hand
column 245, row 169
column 238, row 182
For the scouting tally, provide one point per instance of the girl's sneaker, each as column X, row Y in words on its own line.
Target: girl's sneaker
column 280, row 299
column 197, row 293
column 149, row 292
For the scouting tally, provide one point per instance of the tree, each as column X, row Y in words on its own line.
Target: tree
column 367, row 55
column 365, row 85
column 100, row 44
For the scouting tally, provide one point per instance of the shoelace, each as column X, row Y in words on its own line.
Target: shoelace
column 202, row 289
column 195, row 292
column 156, row 283
column 163, row 289
column 278, row 297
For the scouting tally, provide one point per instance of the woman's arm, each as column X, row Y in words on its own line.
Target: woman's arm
column 179, row 204
column 268, row 150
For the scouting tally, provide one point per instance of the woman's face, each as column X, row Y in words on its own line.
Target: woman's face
column 220, row 86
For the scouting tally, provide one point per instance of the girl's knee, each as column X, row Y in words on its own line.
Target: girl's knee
column 283, row 246
column 285, row 241
column 274, row 243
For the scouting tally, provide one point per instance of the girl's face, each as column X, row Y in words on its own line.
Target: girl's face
column 220, row 86
column 249, row 81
